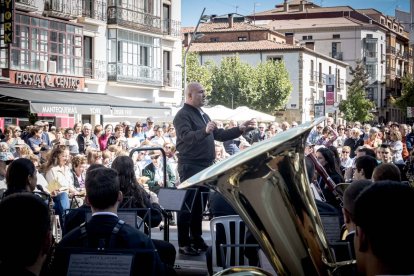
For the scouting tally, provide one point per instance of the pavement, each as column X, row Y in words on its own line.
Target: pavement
column 186, row 265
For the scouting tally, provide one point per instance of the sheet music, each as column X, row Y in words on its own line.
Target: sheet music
column 99, row 265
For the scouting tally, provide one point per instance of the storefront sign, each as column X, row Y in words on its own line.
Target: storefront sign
column 8, row 12
column 46, row 80
column 69, row 109
column 330, row 95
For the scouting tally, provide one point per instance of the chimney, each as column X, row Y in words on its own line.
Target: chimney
column 286, row 6
column 231, row 21
column 302, row 6
column 186, row 41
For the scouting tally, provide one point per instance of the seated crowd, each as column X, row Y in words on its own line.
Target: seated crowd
column 85, row 169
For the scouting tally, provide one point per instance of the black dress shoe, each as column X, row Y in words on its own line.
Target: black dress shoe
column 188, row 250
column 201, row 246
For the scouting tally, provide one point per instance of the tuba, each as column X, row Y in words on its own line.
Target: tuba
column 267, row 185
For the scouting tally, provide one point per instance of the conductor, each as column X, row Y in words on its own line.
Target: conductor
column 195, row 145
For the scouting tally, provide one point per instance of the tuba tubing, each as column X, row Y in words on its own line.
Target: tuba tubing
column 268, row 187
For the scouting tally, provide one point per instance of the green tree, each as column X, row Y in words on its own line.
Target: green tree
column 273, row 86
column 199, row 73
column 407, row 93
column 357, row 107
column 234, row 83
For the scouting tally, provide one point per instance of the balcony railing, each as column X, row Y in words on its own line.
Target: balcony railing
column 134, row 74
column 171, row 27
column 67, row 9
column 172, row 78
column 95, row 69
column 134, row 19
column 336, row 55
column 94, row 9
column 390, row 50
column 26, row 5
column 341, row 84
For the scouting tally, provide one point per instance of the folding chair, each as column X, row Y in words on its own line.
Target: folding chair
column 232, row 251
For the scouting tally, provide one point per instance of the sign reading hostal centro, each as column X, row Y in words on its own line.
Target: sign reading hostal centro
column 8, row 14
column 46, row 80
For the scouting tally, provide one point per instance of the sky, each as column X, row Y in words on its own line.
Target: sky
column 192, row 9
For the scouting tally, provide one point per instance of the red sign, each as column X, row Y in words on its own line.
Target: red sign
column 330, row 95
column 41, row 80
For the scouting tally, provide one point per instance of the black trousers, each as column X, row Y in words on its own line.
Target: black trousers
column 189, row 223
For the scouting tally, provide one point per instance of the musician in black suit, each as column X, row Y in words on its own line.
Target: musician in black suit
column 104, row 195
column 196, row 151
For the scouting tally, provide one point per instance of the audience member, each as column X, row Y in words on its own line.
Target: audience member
column 27, row 238
column 386, row 171
column 364, row 166
column 384, row 231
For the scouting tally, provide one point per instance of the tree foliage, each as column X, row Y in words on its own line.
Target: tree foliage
column 407, row 93
column 357, row 107
column 199, row 73
column 233, row 82
column 273, row 86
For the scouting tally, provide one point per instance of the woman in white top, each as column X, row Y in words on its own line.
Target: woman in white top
column 396, row 147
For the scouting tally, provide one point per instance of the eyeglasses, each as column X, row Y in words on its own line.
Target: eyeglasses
column 138, row 126
column 130, row 130
column 341, row 128
column 168, row 147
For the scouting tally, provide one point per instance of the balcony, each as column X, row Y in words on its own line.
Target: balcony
column 134, row 19
column 64, row 9
column 135, row 74
column 341, row 84
column 390, row 50
column 172, row 78
column 313, row 76
column 171, row 27
column 336, row 55
column 26, row 5
column 95, row 69
column 94, row 9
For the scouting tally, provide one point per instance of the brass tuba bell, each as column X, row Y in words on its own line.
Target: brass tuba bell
column 268, row 187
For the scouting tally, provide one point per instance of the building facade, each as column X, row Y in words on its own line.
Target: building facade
column 129, row 49
column 309, row 71
column 348, row 34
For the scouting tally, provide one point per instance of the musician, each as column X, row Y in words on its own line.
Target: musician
column 384, row 231
column 104, row 195
column 21, row 176
column 195, row 145
column 364, row 166
column 327, row 159
column 26, row 234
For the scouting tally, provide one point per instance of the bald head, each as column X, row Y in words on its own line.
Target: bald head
column 195, row 94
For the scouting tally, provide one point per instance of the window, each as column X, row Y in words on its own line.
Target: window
column 87, row 53
column 47, row 46
column 242, row 38
column 336, row 50
column 336, row 36
column 312, row 69
column 275, row 58
column 369, row 36
column 320, row 72
column 307, row 37
column 214, row 39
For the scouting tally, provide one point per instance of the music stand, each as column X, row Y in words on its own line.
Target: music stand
column 175, row 200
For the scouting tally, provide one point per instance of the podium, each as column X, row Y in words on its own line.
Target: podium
column 175, row 200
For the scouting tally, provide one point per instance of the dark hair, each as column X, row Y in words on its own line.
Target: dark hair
column 386, row 171
column 26, row 223
column 310, row 168
column 102, row 187
column 383, row 212
column 336, row 155
column 368, row 163
column 368, row 151
column 331, row 165
column 352, row 192
column 17, row 174
column 127, row 180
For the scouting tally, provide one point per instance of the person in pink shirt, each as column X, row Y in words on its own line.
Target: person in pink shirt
column 103, row 139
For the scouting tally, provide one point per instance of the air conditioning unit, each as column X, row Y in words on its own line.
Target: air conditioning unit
column 42, row 65
column 52, row 67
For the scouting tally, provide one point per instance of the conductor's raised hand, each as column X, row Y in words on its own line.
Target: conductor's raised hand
column 248, row 125
column 211, row 126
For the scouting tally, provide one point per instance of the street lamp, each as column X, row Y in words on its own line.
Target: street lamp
column 203, row 18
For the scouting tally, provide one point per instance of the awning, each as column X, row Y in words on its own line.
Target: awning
column 18, row 100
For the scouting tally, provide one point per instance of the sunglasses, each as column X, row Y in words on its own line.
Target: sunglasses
column 345, row 151
column 341, row 129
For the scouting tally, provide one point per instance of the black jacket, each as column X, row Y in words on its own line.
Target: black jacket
column 194, row 145
column 100, row 228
